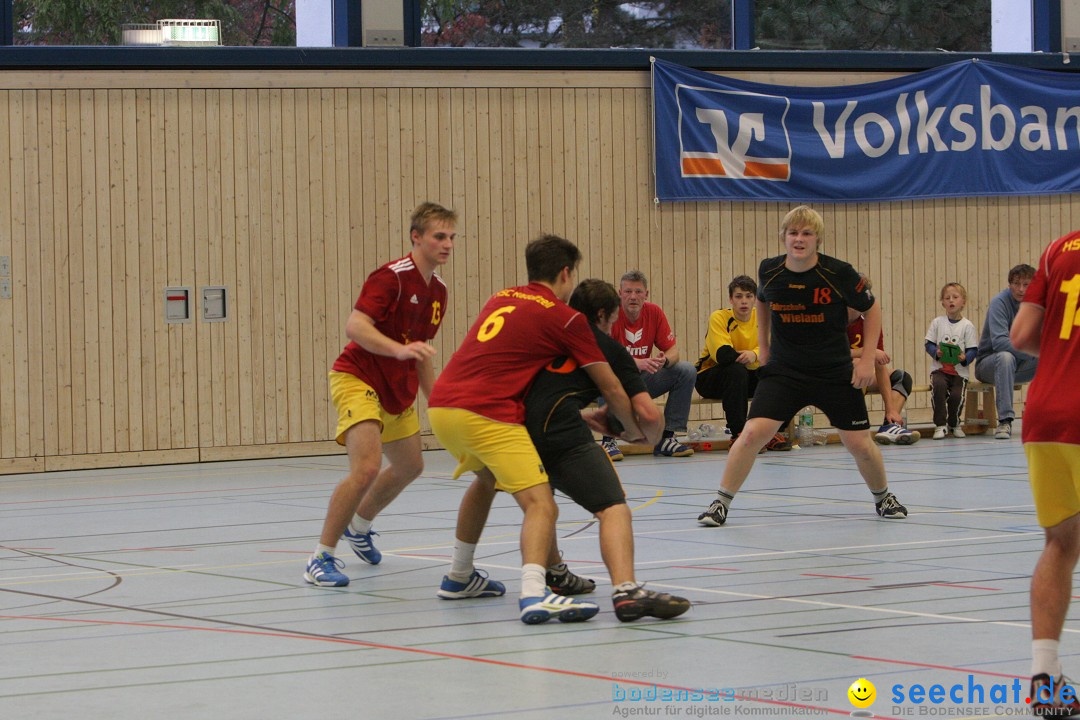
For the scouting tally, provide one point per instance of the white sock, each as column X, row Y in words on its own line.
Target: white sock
column 626, row 587
column 359, row 525
column 462, row 567
column 1044, row 658
column 319, row 549
column 532, row 581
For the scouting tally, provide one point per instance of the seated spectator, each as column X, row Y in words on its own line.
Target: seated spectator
column 997, row 362
column 641, row 328
column 893, row 385
column 728, row 367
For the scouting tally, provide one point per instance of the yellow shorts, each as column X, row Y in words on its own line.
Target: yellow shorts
column 478, row 442
column 1054, row 471
column 356, row 401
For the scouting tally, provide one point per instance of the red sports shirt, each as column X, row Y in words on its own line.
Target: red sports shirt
column 650, row 329
column 1053, row 402
column 855, row 333
column 519, row 331
column 405, row 308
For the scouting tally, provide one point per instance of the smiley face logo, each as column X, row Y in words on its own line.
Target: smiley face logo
column 862, row 693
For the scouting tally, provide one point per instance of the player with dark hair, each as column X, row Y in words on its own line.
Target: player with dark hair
column 477, row 411
column 1047, row 326
column 374, row 383
column 802, row 305
column 558, row 422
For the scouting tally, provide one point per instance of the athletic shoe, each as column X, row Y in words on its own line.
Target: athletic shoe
column 890, row 508
column 890, row 433
column 779, row 443
column 612, row 449
column 639, row 602
column 567, row 583
column 1046, row 697
column 958, row 432
column 322, row 570
column 1004, row 431
column 363, row 547
column 670, row 447
column 939, row 432
column 536, row 610
column 715, row 515
column 477, row 586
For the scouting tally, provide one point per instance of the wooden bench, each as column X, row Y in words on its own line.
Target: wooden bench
column 980, row 415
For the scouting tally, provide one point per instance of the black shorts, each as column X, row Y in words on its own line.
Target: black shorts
column 585, row 475
column 783, row 391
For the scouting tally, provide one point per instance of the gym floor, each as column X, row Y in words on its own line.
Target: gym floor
column 177, row 592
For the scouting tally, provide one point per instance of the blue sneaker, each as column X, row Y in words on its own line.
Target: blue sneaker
column 477, row 586
column 896, row 434
column 363, row 547
column 536, row 610
column 322, row 570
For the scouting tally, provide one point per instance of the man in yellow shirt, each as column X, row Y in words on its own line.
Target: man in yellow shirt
column 727, row 368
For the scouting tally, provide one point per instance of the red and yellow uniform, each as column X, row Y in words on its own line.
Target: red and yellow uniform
column 477, row 408
column 1051, row 434
column 404, row 307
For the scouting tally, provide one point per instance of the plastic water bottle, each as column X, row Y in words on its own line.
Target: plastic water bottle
column 707, row 431
column 694, row 435
column 805, row 432
column 903, row 417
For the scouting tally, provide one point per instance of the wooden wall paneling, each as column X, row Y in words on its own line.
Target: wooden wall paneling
column 603, row 212
column 244, row 298
column 569, row 157
column 479, row 254
column 103, row 295
column 363, row 242
column 174, row 272
column 496, row 189
column 324, row 227
column 231, row 265
column 545, row 145
column 161, row 393
column 379, row 222
column 221, row 332
column 127, row 235
column 590, row 203
column 536, row 223
column 280, row 267
column 27, row 288
column 259, row 248
column 207, row 365
column 295, row 165
column 114, row 293
column 8, row 245
column 616, row 230
column 397, row 224
column 91, row 342
column 478, row 173
column 271, row 283
column 189, row 332
column 57, row 348
column 511, row 257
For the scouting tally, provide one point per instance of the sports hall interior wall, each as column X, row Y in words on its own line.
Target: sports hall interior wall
column 288, row 186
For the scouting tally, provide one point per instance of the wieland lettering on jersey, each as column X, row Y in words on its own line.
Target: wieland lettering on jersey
column 966, row 129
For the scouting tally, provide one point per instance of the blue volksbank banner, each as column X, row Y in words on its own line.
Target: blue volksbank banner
column 970, row 128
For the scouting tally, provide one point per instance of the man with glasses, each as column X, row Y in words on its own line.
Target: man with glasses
column 997, row 361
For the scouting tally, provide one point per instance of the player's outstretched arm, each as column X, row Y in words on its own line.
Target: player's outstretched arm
column 615, row 396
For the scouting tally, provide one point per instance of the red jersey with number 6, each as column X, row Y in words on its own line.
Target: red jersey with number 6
column 1053, row 403
column 519, row 331
column 405, row 308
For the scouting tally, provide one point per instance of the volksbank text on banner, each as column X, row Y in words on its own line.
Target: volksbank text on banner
column 969, row 128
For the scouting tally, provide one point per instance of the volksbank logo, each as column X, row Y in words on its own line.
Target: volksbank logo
column 733, row 134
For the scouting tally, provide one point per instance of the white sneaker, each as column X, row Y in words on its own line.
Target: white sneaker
column 939, row 432
column 1004, row 431
column 958, row 432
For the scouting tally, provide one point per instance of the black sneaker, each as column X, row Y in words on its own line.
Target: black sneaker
column 1047, row 697
column 639, row 602
column 715, row 515
column 567, row 583
column 889, row 507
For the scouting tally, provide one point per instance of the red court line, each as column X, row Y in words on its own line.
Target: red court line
column 838, row 577
column 937, row 667
column 418, row 651
column 969, row 587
